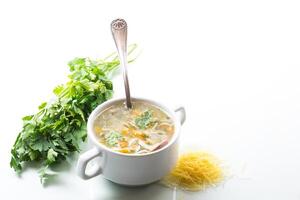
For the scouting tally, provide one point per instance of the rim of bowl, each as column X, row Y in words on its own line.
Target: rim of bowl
column 100, row 108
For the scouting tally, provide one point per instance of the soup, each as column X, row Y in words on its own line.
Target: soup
column 142, row 129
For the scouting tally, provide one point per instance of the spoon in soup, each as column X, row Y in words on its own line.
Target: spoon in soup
column 119, row 33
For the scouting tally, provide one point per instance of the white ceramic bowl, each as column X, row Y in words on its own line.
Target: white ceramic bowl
column 131, row 169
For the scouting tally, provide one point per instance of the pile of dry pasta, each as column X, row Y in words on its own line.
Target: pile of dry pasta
column 195, row 171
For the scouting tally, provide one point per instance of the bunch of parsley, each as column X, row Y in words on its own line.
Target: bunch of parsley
column 58, row 128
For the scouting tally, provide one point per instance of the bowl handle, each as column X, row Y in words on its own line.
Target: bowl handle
column 181, row 113
column 84, row 160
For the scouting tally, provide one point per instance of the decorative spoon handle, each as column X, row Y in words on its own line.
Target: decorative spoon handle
column 119, row 32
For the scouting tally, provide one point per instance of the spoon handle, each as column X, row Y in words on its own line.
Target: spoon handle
column 119, row 32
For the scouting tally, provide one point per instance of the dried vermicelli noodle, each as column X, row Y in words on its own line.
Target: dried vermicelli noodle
column 195, row 171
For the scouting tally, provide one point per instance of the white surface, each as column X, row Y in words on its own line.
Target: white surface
column 234, row 65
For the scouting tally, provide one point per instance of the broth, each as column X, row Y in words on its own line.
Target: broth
column 142, row 129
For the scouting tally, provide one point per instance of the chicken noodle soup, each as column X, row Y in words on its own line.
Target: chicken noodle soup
column 142, row 129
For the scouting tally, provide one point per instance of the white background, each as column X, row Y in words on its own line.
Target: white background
column 234, row 65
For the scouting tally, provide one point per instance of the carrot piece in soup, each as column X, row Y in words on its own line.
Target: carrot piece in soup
column 125, row 132
column 123, row 144
column 139, row 135
column 170, row 129
column 98, row 129
column 136, row 112
column 125, row 150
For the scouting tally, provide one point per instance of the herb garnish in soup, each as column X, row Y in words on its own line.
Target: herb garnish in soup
column 142, row 129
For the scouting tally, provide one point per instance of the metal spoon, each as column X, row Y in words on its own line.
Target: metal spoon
column 119, row 33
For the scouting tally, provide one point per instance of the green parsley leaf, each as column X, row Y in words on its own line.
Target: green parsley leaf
column 113, row 138
column 144, row 120
column 51, row 155
column 58, row 129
